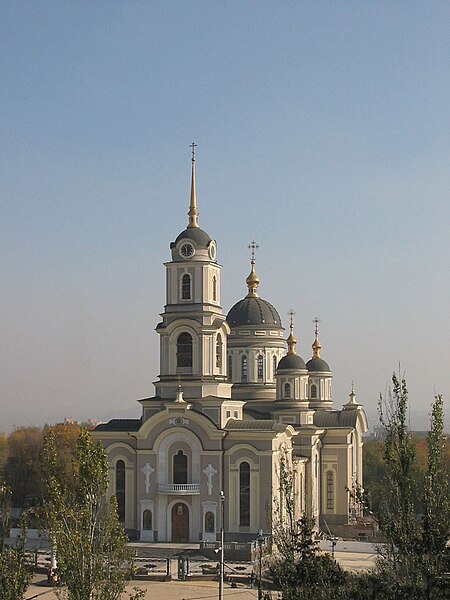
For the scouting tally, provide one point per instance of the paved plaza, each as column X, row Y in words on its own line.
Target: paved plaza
column 354, row 556
column 155, row 590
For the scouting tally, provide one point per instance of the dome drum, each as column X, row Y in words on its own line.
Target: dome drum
column 318, row 365
column 253, row 311
column 193, row 244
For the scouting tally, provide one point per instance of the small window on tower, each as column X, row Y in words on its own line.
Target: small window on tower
column 244, row 369
column 287, row 390
column 219, row 351
column 313, row 391
column 214, row 283
column 260, row 368
column 274, row 366
column 230, row 366
column 186, row 287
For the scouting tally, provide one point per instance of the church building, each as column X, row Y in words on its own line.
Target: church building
column 232, row 398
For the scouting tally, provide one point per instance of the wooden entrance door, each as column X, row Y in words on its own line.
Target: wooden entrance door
column 180, row 523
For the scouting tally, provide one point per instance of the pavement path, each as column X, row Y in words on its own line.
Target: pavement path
column 155, row 590
column 354, row 556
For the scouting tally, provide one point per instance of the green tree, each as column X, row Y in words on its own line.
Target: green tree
column 397, row 515
column 297, row 567
column 374, row 470
column 412, row 561
column 436, row 515
column 90, row 543
column 15, row 574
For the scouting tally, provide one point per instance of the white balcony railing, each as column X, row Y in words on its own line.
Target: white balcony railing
column 180, row 489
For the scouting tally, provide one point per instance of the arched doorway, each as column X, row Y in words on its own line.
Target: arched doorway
column 180, row 523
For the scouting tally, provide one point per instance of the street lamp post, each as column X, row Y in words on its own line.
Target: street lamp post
column 221, row 565
column 260, row 540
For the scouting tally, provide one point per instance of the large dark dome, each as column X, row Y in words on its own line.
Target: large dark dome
column 253, row 310
column 317, row 364
column 197, row 235
column 291, row 361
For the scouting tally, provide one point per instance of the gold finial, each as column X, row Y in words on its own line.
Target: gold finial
column 179, row 399
column 193, row 212
column 291, row 341
column 352, row 398
column 316, row 345
column 253, row 279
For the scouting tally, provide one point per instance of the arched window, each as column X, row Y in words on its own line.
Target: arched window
column 214, row 282
column 147, row 520
column 209, row 522
column 184, row 350
column 219, row 351
column 244, row 369
column 244, row 494
column 287, row 390
column 313, row 391
column 230, row 366
column 186, row 287
column 260, row 368
column 120, row 489
column 330, row 490
column 180, row 474
column 274, row 366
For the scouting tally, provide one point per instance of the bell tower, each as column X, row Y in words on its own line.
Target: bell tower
column 193, row 331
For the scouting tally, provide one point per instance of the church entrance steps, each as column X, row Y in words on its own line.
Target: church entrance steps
column 165, row 550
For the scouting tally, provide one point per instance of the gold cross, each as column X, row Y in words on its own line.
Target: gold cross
column 193, row 146
column 316, row 322
column 291, row 314
column 252, row 246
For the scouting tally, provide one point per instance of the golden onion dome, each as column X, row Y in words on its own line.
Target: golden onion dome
column 252, row 281
column 316, row 348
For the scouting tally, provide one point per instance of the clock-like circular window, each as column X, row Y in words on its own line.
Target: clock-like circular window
column 187, row 250
column 212, row 251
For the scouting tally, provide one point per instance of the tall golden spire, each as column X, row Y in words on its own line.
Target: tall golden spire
column 253, row 279
column 316, row 345
column 291, row 341
column 193, row 212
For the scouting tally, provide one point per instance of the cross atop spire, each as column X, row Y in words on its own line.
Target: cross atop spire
column 291, row 315
column 316, row 322
column 193, row 212
column 291, row 341
column 193, row 146
column 316, row 344
column 253, row 279
column 253, row 246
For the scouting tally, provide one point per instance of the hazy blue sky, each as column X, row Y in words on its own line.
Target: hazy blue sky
column 323, row 132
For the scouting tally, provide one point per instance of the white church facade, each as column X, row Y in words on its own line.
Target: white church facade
column 231, row 399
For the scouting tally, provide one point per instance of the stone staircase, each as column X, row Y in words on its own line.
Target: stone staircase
column 148, row 550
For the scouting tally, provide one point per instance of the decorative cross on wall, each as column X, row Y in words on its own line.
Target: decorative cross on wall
column 147, row 470
column 210, row 471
